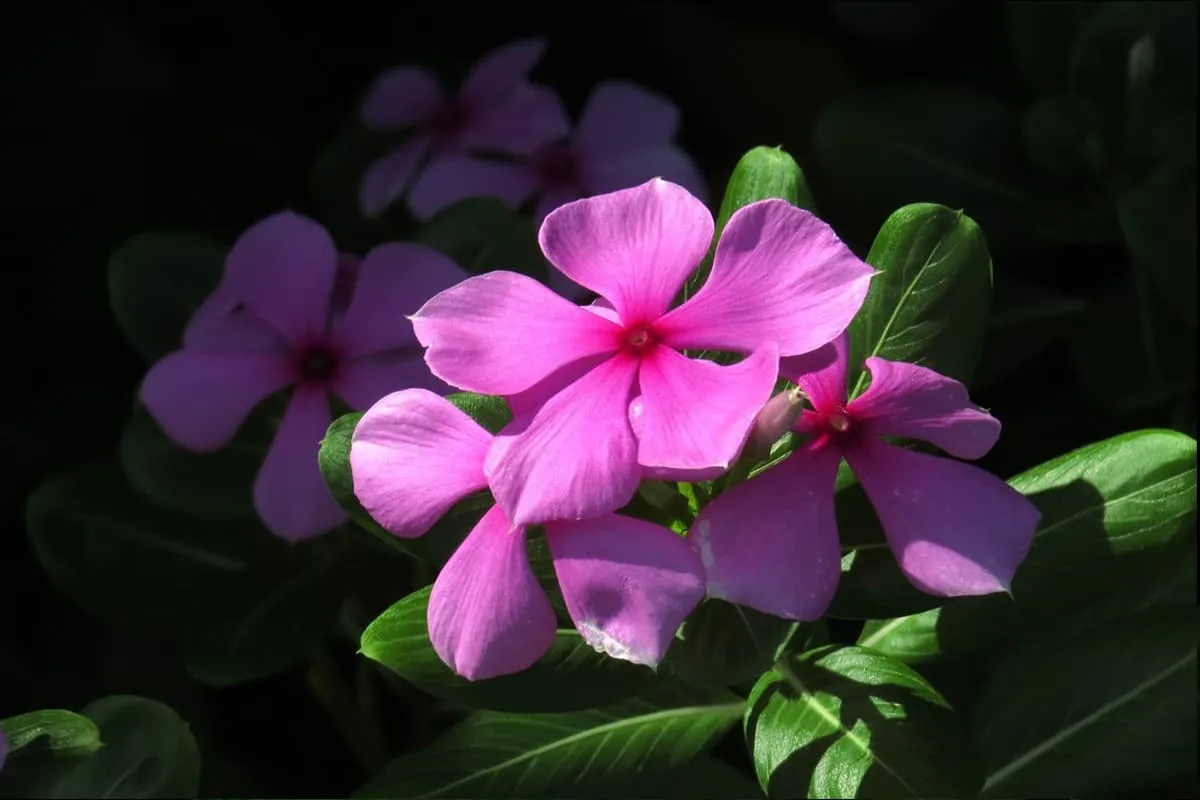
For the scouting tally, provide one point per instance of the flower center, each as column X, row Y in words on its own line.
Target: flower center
column 557, row 166
column 317, row 364
column 638, row 339
column 838, row 422
column 449, row 120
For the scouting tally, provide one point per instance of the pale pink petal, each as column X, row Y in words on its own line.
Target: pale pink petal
column 576, row 458
column 620, row 117
column 401, row 98
column 201, row 399
column 389, row 178
column 821, row 374
column 487, row 614
column 780, row 274
column 290, row 493
column 955, row 529
column 915, row 402
column 283, row 270
column 394, row 280
column 634, row 247
column 413, row 455
column 502, row 70
column 628, row 584
column 361, row 382
column 527, row 403
column 622, row 170
column 526, row 119
column 449, row 180
column 771, row 543
column 500, row 333
column 697, row 414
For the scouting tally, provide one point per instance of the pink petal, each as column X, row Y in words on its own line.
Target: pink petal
column 821, row 374
column 955, row 529
column 549, row 201
column 487, row 613
column 233, row 332
column 576, row 458
column 201, row 399
column 637, row 423
column 361, row 382
column 634, row 247
column 401, row 98
column 448, row 180
column 771, row 543
column 526, row 119
column 388, row 178
column 526, row 403
column 628, row 584
column 500, row 333
column 915, row 402
column 780, row 274
column 290, row 494
column 394, row 280
column 697, row 414
column 283, row 269
column 622, row 170
column 620, row 117
column 502, row 70
column 413, row 455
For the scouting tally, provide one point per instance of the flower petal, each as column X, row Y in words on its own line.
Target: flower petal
column 394, row 280
column 620, row 171
column 290, row 494
column 401, row 98
column 628, row 584
column 576, row 458
column 528, row 118
column 361, row 382
column 283, row 269
column 634, row 247
column 201, row 399
column 620, row 116
column 779, row 273
column 550, row 200
column 917, row 403
column 500, row 333
column 821, row 374
column 502, row 70
column 527, row 403
column 448, row 180
column 413, row 455
column 389, row 177
column 771, row 543
column 955, row 529
column 232, row 332
column 488, row 615
column 697, row 414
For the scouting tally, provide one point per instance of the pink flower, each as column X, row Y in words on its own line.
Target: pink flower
column 771, row 543
column 628, row 584
column 290, row 328
column 781, row 283
column 496, row 109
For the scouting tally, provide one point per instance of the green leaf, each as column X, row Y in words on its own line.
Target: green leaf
column 633, row 748
column 399, row 640
column 848, row 722
column 1061, row 134
column 723, row 644
column 1040, row 36
column 482, row 234
column 155, row 282
column 1107, row 711
column 62, row 733
column 929, row 305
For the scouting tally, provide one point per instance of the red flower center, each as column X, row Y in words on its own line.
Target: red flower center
column 557, row 166
column 317, row 364
column 838, row 421
column 638, row 339
column 450, row 120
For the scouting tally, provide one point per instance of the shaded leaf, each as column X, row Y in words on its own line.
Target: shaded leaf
column 482, row 234
column 53, row 730
column 1040, row 35
column 723, row 644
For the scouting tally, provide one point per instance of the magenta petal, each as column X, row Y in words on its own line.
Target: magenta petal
column 551, row 199
column 955, row 529
column 401, row 98
column 634, row 247
column 500, row 333
column 697, row 414
column 576, row 458
column 388, row 178
column 233, row 332
column 361, row 382
column 502, row 70
column 290, row 494
column 528, row 118
column 394, row 280
column 414, row 455
column 771, row 543
column 448, row 180
column 488, row 615
column 201, row 399
column 526, row 403
column 779, row 274
column 917, row 403
column 628, row 584
column 821, row 374
column 622, row 170
column 620, row 117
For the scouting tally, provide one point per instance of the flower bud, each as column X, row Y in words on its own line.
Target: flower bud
column 776, row 418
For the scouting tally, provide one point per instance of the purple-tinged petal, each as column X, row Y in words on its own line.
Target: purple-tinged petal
column 283, row 269
column 619, row 117
column 233, row 332
column 628, row 584
column 779, row 274
column 576, row 458
column 697, row 414
column 528, row 118
column 401, row 98
column 389, row 178
column 448, row 180
column 201, row 399
column 771, row 543
column 917, row 403
column 413, row 455
column 500, row 333
column 634, row 247
column 623, row 170
column 821, row 374
column 488, row 615
column 955, row 529
column 290, row 494
column 361, row 382
column 502, row 70
column 394, row 280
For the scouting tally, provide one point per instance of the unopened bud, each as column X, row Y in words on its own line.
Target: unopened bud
column 778, row 416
